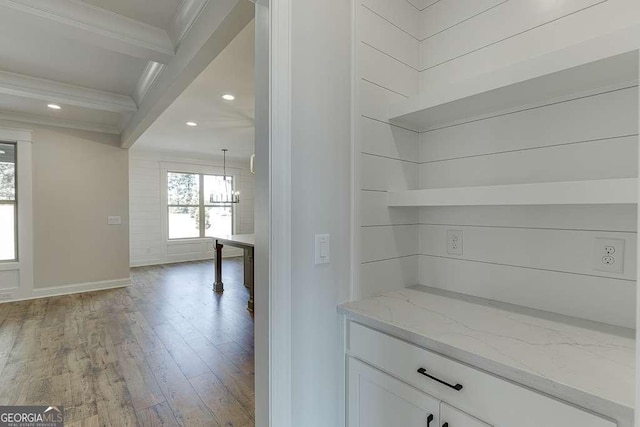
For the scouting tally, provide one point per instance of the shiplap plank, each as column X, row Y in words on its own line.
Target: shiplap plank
column 422, row 4
column 380, row 243
column 606, row 115
column 607, row 159
column 447, row 13
column 383, row 35
column 388, row 275
column 399, row 12
column 600, row 21
column 499, row 23
column 598, row 218
column 595, row 298
column 373, row 100
column 386, row 71
column 387, row 140
column 560, row 250
column 381, row 173
column 374, row 211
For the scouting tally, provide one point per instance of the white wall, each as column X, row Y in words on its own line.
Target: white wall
column 76, row 180
column 321, row 199
column 535, row 256
column 461, row 39
column 148, row 239
column 540, row 257
column 387, row 155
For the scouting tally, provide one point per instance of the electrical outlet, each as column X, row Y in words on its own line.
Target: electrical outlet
column 608, row 255
column 454, row 242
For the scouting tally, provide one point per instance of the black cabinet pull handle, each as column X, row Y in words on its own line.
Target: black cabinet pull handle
column 429, row 419
column 456, row 387
column 445, row 425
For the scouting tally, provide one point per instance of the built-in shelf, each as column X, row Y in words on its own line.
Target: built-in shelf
column 604, row 191
column 604, row 61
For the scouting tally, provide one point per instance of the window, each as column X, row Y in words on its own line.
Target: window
column 8, row 209
column 189, row 201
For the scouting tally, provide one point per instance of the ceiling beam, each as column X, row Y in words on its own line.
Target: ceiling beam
column 147, row 79
column 184, row 19
column 62, row 93
column 56, row 122
column 216, row 25
column 100, row 27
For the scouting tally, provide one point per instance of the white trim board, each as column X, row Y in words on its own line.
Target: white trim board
column 52, row 91
column 273, row 214
column 99, row 26
column 604, row 191
column 24, row 265
column 71, row 289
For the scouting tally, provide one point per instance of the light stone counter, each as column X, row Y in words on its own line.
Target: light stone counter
column 590, row 365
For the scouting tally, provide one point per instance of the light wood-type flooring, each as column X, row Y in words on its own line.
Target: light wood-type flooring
column 164, row 351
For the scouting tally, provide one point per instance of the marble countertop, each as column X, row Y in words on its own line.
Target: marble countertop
column 588, row 364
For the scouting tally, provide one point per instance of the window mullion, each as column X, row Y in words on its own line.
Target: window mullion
column 201, row 205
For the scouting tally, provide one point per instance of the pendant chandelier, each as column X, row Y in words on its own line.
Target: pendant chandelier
column 226, row 195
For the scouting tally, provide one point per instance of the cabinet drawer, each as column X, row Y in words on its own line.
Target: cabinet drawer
column 494, row 400
column 451, row 417
column 379, row 400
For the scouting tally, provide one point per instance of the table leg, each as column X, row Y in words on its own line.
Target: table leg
column 249, row 280
column 218, row 286
column 246, row 267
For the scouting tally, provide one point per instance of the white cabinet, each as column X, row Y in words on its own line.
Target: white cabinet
column 452, row 417
column 418, row 379
column 379, row 400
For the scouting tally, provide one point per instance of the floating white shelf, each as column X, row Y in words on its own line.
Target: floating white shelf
column 604, row 61
column 604, row 191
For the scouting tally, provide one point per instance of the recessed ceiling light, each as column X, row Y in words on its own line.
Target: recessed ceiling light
column 3, row 152
column 228, row 97
column 54, row 106
column 192, row 124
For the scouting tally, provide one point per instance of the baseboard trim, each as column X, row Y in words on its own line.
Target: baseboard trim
column 80, row 287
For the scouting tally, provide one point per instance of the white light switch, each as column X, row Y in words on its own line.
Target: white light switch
column 114, row 220
column 322, row 249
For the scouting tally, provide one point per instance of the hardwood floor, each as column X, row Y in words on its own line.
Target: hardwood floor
column 165, row 351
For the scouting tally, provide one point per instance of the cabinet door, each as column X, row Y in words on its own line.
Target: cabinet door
column 379, row 400
column 452, row 417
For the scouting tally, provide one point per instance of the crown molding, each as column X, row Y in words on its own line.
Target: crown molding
column 147, row 79
column 91, row 24
column 52, row 91
column 60, row 123
column 184, row 19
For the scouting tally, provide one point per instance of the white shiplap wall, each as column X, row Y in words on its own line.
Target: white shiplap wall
column 539, row 257
column 148, row 244
column 461, row 39
column 387, row 72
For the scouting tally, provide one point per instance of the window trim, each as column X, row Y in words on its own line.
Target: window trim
column 201, row 171
column 14, row 203
column 24, row 206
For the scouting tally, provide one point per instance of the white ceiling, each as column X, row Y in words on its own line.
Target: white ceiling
column 221, row 124
column 99, row 59
column 158, row 13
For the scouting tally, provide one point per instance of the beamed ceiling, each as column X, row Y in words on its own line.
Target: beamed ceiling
column 112, row 65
